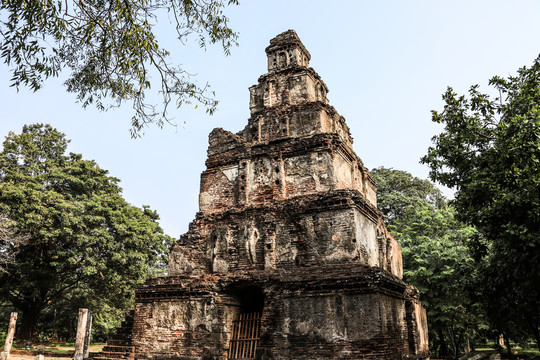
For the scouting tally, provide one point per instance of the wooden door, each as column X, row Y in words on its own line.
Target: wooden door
column 245, row 336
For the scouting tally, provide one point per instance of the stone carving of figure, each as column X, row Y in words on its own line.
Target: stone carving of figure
column 252, row 237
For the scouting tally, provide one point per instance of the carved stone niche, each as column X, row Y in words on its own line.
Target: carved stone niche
column 218, row 243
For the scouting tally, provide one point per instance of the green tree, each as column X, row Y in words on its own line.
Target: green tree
column 489, row 152
column 111, row 49
column 82, row 236
column 10, row 241
column 398, row 191
column 436, row 258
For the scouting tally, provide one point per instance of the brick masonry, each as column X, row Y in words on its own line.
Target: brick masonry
column 288, row 224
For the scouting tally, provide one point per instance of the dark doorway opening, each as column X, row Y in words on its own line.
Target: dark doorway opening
column 246, row 326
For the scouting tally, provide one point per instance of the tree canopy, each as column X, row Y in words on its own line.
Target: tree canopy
column 82, row 237
column 10, row 241
column 436, row 258
column 398, row 191
column 111, row 50
column 489, row 152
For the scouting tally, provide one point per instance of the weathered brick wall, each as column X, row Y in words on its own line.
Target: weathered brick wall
column 345, row 325
column 320, row 313
column 285, row 50
column 294, row 108
column 241, row 175
column 288, row 225
column 416, row 323
column 335, row 228
column 182, row 328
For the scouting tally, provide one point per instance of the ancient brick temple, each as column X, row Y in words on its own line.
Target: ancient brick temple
column 288, row 257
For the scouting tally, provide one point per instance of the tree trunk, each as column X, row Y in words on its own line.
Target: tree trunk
column 444, row 348
column 535, row 330
column 29, row 321
column 508, row 346
column 537, row 337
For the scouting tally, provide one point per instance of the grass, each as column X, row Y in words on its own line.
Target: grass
column 60, row 348
column 529, row 352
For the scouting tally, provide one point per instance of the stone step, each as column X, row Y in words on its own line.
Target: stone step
column 123, row 329
column 117, row 348
column 121, row 336
column 112, row 355
column 105, row 357
column 119, row 342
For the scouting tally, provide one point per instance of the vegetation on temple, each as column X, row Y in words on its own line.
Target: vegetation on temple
column 109, row 50
column 84, row 244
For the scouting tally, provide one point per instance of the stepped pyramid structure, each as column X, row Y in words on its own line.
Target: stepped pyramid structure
column 288, row 257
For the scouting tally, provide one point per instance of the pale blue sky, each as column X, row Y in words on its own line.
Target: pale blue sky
column 386, row 64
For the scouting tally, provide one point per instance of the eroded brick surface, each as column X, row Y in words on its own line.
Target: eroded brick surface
column 288, row 225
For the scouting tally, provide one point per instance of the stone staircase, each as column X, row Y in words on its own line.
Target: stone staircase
column 120, row 346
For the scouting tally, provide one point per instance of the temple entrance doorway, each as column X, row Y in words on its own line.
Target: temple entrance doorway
column 246, row 326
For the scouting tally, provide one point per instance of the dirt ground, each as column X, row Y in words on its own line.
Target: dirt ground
column 29, row 357
column 14, row 356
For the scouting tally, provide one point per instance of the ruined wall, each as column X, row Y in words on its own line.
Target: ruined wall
column 286, row 50
column 241, row 174
column 288, row 228
column 307, row 231
column 351, row 320
column 184, row 327
column 179, row 328
column 416, row 318
column 302, row 85
column 329, row 312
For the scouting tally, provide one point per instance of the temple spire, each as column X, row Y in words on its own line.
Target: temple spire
column 286, row 50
